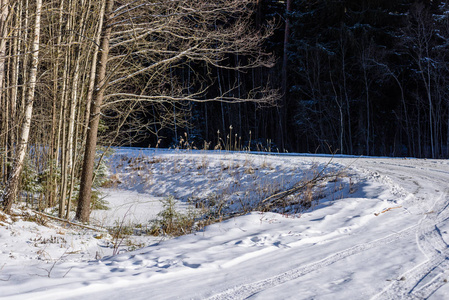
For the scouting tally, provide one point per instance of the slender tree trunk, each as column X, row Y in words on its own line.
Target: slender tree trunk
column 282, row 111
column 425, row 75
column 90, row 91
column 4, row 10
column 84, row 201
column 408, row 129
column 223, row 124
column 13, row 181
column 55, row 137
column 340, row 109
column 349, row 149
column 63, row 137
column 75, row 111
column 68, row 108
column 368, row 113
column 447, row 136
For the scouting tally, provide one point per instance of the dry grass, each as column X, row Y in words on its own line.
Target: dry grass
column 173, row 222
column 240, row 185
column 3, row 217
column 36, row 218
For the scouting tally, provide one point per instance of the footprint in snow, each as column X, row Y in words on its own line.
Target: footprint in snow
column 193, row 266
column 114, row 270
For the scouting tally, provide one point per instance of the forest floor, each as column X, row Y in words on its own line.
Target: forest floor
column 378, row 230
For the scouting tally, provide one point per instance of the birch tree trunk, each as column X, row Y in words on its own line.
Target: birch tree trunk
column 13, row 181
column 4, row 11
column 14, row 82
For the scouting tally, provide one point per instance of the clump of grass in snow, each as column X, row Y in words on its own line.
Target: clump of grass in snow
column 36, row 218
column 119, row 234
column 3, row 218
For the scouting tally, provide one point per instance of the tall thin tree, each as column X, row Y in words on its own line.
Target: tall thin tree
column 10, row 192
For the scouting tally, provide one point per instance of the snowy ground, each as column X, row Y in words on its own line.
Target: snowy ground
column 379, row 233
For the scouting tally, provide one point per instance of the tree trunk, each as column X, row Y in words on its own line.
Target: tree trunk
column 283, row 108
column 93, row 70
column 84, row 201
column 4, row 10
column 13, row 181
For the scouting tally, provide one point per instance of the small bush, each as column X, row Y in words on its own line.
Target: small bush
column 98, row 202
column 172, row 222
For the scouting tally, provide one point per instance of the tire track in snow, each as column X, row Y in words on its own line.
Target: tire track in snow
column 246, row 290
column 432, row 244
column 428, row 238
column 426, row 278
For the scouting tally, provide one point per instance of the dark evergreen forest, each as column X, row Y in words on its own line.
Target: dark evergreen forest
column 353, row 77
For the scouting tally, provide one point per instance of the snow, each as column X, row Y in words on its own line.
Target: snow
column 380, row 232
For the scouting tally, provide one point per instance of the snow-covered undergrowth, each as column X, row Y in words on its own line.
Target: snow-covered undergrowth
column 378, row 229
column 224, row 184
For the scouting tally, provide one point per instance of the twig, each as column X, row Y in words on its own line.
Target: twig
column 299, row 186
column 117, row 239
column 67, row 272
column 69, row 222
column 54, row 264
column 388, row 209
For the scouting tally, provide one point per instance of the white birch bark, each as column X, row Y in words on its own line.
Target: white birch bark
column 13, row 181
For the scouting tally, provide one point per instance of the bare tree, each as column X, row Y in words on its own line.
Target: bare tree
column 141, row 41
column 421, row 37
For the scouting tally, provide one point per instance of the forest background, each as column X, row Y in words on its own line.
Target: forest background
column 351, row 77
column 356, row 77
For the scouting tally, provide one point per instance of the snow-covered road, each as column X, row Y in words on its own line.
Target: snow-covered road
column 387, row 239
column 424, row 186
column 427, row 180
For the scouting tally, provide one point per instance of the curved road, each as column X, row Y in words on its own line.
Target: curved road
column 426, row 182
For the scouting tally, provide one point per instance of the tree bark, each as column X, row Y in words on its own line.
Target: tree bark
column 92, row 77
column 4, row 10
column 84, row 200
column 13, row 181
